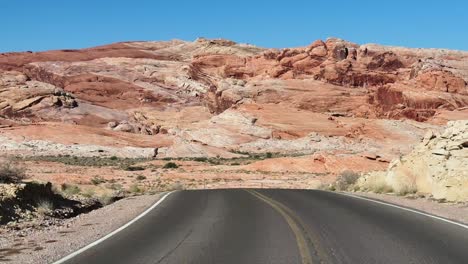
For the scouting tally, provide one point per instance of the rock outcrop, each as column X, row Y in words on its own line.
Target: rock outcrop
column 437, row 166
column 218, row 96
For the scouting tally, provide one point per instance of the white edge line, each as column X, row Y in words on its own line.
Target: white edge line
column 81, row 250
column 406, row 209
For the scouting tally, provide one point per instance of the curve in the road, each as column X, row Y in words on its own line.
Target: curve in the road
column 279, row 226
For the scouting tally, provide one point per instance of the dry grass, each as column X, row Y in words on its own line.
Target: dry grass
column 106, row 199
column 69, row 189
column 374, row 182
column 44, row 207
column 346, row 180
column 11, row 172
column 177, row 186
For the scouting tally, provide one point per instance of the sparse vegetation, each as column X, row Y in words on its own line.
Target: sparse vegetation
column 382, row 188
column 115, row 186
column 135, row 188
column 407, row 189
column 96, row 180
column 89, row 193
column 106, row 199
column 140, row 177
column 89, row 161
column 44, row 207
column 346, row 180
column 133, row 168
column 11, row 172
column 170, row 165
column 177, row 186
column 70, row 189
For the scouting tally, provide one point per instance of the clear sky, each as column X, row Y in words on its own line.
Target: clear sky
column 59, row 24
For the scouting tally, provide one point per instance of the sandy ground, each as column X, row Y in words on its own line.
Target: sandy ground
column 453, row 211
column 48, row 244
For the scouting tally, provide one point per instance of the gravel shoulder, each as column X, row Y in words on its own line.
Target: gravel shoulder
column 454, row 211
column 48, row 244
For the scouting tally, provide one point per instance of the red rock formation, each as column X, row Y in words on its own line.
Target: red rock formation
column 157, row 74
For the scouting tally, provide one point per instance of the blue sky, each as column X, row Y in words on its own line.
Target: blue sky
column 59, row 24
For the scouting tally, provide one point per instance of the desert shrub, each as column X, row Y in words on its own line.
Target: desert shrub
column 96, row 180
column 70, row 189
column 115, row 186
column 407, row 189
column 135, row 189
column 44, row 207
column 383, row 188
column 269, row 155
column 345, row 180
column 106, row 199
column 170, row 165
column 201, row 159
column 140, row 177
column 89, row 193
column 375, row 182
column 214, row 161
column 11, row 173
column 324, row 186
column 134, row 168
column 89, row 161
column 177, row 186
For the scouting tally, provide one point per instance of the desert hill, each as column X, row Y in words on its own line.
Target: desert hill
column 332, row 102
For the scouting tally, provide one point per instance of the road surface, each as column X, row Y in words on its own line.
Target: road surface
column 279, row 226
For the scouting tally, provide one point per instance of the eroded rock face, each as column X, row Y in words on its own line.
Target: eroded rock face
column 20, row 96
column 342, row 63
column 206, row 94
column 437, row 166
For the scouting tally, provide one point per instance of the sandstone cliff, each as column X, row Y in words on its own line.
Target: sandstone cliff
column 437, row 166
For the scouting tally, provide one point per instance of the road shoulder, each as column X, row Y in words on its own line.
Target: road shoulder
column 453, row 211
column 48, row 244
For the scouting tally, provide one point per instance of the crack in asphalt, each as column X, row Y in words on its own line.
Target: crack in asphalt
column 175, row 248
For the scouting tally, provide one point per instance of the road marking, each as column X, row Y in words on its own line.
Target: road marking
column 406, row 209
column 76, row 253
column 300, row 238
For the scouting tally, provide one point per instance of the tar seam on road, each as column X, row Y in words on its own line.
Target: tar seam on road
column 76, row 253
column 295, row 227
column 406, row 209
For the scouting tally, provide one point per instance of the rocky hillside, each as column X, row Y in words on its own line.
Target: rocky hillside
column 333, row 99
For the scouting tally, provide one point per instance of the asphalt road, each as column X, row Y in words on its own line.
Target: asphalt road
column 279, row 226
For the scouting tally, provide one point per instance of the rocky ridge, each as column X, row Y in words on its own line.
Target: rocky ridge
column 216, row 98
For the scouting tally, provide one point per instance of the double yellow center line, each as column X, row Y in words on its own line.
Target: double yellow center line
column 293, row 222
